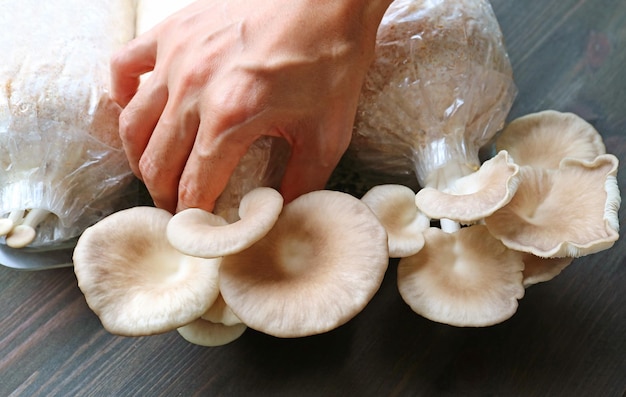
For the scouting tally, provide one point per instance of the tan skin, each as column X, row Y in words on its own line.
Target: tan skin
column 225, row 73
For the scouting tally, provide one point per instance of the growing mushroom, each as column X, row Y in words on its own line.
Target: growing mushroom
column 394, row 205
column 545, row 138
column 206, row 333
column 475, row 196
column 60, row 150
column 569, row 211
column 200, row 233
column 135, row 281
column 439, row 89
column 316, row 269
column 24, row 231
column 218, row 326
column 538, row 270
column 465, row 278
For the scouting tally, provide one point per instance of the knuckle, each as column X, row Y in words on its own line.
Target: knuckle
column 149, row 171
column 126, row 125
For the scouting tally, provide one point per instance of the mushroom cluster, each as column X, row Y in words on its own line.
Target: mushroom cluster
column 470, row 240
column 478, row 231
column 289, row 271
column 548, row 196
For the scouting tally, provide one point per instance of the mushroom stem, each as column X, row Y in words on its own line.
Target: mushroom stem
column 6, row 224
column 449, row 226
column 443, row 178
column 23, row 234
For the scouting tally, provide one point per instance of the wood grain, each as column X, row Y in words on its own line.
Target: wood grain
column 568, row 337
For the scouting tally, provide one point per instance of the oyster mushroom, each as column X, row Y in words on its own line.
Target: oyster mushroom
column 135, row 281
column 538, row 270
column 569, row 211
column 394, row 205
column 475, row 196
column 465, row 278
column 206, row 333
column 200, row 233
column 316, row 269
column 545, row 138
column 218, row 326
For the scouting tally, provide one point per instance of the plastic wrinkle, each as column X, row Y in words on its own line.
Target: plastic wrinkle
column 59, row 143
column 439, row 89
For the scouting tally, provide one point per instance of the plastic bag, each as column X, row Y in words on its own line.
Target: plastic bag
column 59, row 145
column 439, row 89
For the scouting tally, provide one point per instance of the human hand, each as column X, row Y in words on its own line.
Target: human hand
column 225, row 73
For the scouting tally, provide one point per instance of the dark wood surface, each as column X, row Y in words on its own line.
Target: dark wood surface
column 568, row 337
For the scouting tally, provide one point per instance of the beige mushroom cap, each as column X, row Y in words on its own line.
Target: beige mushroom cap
column 200, row 233
column 538, row 270
column 316, row 269
column 545, row 138
column 394, row 205
column 218, row 326
column 135, row 281
column 220, row 312
column 465, row 278
column 206, row 333
column 475, row 196
column 571, row 211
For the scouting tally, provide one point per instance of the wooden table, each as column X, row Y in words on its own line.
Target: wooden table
column 568, row 337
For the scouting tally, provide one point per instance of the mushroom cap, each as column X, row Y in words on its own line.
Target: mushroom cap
column 394, row 205
column 538, row 270
column 316, row 269
column 475, row 196
column 465, row 278
column 200, row 233
column 570, row 211
column 206, row 333
column 135, row 281
column 219, row 312
column 545, row 138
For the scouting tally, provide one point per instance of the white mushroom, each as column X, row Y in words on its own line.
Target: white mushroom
column 25, row 231
column 318, row 267
column 206, row 333
column 545, row 138
column 570, row 211
column 200, row 233
column 475, row 196
column 538, row 270
column 465, row 278
column 13, row 219
column 218, row 326
column 135, row 281
column 394, row 205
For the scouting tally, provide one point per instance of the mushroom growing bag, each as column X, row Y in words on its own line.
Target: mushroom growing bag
column 439, row 89
column 59, row 145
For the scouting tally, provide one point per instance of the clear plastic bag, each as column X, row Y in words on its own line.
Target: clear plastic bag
column 439, row 89
column 59, row 144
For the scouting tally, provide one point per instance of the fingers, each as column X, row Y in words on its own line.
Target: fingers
column 167, row 153
column 210, row 165
column 128, row 64
column 314, row 156
column 139, row 119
